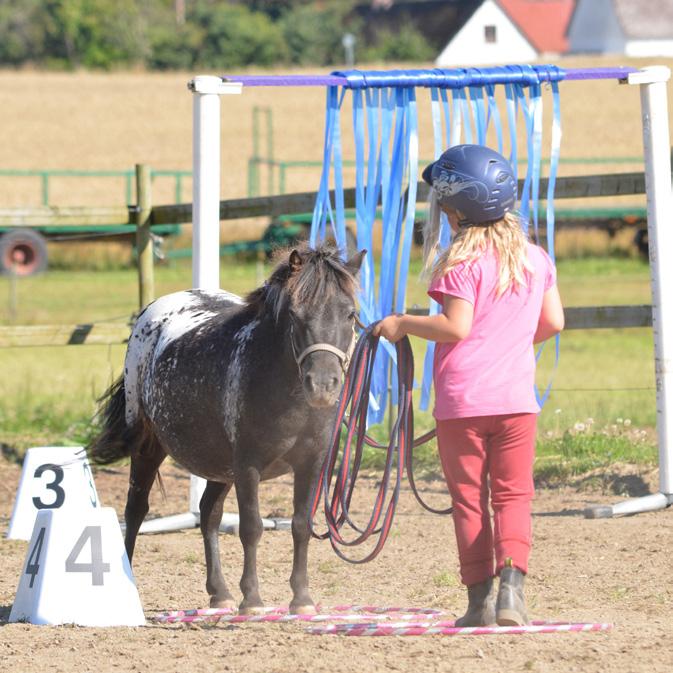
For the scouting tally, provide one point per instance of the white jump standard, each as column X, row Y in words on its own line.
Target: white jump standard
column 654, row 110
column 656, row 142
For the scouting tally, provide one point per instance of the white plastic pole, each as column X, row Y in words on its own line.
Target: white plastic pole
column 205, row 253
column 656, row 143
column 206, row 178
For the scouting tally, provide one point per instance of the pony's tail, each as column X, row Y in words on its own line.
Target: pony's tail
column 115, row 439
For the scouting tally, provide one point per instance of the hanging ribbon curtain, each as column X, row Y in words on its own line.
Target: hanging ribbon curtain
column 385, row 126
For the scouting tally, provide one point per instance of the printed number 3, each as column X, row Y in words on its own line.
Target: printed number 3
column 52, row 486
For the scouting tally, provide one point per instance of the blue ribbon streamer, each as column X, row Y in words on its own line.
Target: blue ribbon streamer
column 553, row 171
column 386, row 150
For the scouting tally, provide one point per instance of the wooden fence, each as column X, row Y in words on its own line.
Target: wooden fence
column 144, row 216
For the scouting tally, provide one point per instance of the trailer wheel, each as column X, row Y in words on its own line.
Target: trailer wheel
column 24, row 251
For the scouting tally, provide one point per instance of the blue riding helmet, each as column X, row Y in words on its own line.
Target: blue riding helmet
column 475, row 180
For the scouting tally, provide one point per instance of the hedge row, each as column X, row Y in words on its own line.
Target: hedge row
column 182, row 34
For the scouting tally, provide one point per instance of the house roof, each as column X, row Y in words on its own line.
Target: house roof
column 542, row 22
column 645, row 19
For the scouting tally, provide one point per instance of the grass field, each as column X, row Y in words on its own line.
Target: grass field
column 48, row 394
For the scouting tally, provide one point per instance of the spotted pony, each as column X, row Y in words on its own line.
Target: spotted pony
column 237, row 391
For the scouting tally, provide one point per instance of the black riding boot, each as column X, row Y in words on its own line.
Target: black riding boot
column 481, row 605
column 510, row 607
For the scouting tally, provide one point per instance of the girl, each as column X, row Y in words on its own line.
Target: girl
column 499, row 297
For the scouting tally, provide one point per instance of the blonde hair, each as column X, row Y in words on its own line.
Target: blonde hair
column 505, row 237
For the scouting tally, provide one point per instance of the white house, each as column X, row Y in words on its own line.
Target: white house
column 509, row 31
column 631, row 27
column 488, row 37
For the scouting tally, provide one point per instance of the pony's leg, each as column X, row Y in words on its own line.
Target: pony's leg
column 250, row 531
column 211, row 505
column 144, row 468
column 303, row 478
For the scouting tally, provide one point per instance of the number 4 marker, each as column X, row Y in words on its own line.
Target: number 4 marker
column 76, row 571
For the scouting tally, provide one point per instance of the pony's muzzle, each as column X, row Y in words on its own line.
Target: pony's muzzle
column 322, row 385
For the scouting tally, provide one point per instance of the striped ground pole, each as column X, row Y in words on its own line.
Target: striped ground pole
column 280, row 614
column 349, row 620
column 448, row 629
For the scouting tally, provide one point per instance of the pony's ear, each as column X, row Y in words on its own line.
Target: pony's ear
column 295, row 261
column 355, row 262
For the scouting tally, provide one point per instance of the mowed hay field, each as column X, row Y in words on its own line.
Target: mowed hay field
column 113, row 120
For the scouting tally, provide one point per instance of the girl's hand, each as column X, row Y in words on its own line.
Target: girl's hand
column 390, row 328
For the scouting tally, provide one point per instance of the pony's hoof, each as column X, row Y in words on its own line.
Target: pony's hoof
column 251, row 610
column 223, row 603
column 303, row 610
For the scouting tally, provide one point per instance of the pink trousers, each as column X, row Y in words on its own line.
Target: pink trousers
column 498, row 451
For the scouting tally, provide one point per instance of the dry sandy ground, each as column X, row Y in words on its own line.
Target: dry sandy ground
column 582, row 570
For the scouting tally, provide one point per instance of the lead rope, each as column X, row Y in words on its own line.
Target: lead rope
column 355, row 397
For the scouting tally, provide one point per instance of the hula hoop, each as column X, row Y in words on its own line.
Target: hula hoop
column 280, row 614
column 380, row 621
column 406, row 629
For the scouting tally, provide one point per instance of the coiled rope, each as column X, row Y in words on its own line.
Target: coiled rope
column 352, row 417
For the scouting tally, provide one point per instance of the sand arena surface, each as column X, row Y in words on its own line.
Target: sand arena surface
column 581, row 570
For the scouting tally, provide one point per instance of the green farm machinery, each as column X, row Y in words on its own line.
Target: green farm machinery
column 25, row 232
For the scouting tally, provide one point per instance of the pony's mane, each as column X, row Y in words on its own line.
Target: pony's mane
column 322, row 275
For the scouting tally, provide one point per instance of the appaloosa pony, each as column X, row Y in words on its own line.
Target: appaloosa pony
column 237, row 391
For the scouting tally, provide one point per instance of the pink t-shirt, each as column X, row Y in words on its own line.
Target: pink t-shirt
column 492, row 371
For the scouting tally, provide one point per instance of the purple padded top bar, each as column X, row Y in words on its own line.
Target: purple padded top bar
column 618, row 72
column 332, row 80
column 286, row 80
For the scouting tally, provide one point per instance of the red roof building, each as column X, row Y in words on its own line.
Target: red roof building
column 543, row 22
column 509, row 31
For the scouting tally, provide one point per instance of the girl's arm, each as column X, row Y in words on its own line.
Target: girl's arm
column 551, row 320
column 453, row 324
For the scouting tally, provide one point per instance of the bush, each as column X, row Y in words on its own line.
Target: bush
column 96, row 33
column 23, row 31
column 214, row 34
column 235, row 36
column 313, row 36
column 173, row 47
column 407, row 45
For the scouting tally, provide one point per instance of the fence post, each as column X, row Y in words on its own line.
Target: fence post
column 144, row 245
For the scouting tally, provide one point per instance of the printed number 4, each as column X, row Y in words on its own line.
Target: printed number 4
column 33, row 565
column 97, row 568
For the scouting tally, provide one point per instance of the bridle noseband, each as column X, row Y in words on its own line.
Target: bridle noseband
column 343, row 357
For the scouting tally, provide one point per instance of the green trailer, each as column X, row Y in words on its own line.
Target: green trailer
column 611, row 220
column 24, row 238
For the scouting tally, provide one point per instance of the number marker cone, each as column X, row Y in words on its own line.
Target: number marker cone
column 53, row 477
column 77, row 572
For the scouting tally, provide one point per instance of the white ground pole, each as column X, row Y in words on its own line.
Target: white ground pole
column 205, row 255
column 656, row 143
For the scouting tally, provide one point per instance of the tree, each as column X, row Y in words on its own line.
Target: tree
column 235, row 36
column 23, row 31
column 314, row 34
